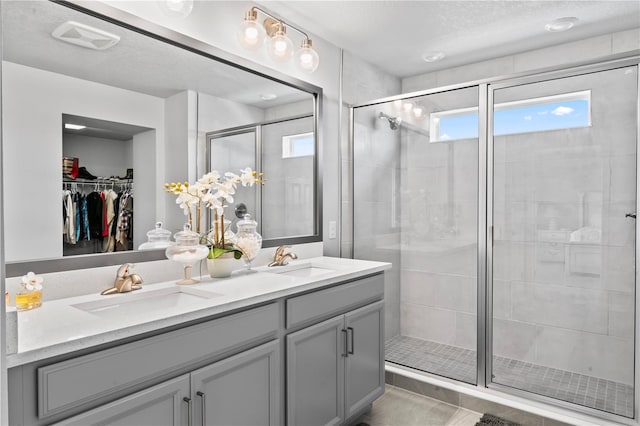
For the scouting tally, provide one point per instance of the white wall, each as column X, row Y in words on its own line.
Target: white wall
column 101, row 157
column 32, row 143
column 180, row 128
column 145, row 189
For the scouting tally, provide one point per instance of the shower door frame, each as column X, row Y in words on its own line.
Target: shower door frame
column 488, row 318
column 486, row 88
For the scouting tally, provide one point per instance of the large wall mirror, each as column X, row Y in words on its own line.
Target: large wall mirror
column 101, row 107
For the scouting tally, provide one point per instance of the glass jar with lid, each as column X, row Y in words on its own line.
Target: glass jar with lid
column 157, row 238
column 248, row 240
column 187, row 251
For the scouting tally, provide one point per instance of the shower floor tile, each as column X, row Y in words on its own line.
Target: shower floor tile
column 460, row 364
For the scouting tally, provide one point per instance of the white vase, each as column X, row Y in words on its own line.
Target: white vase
column 222, row 266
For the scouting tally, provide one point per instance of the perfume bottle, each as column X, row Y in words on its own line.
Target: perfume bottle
column 30, row 296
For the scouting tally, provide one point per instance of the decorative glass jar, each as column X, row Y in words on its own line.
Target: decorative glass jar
column 248, row 240
column 187, row 251
column 157, row 238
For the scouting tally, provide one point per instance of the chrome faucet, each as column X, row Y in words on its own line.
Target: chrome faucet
column 280, row 257
column 125, row 281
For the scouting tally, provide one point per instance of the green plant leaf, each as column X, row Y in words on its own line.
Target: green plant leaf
column 215, row 252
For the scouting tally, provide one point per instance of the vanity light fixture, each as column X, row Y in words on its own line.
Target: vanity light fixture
column 252, row 34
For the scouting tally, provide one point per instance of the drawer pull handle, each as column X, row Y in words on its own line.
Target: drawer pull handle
column 188, row 401
column 346, row 349
column 202, row 395
column 632, row 215
column 352, row 351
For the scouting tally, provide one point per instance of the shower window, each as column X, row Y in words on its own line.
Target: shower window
column 300, row 145
column 558, row 111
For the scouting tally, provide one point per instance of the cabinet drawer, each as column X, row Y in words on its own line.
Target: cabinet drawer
column 81, row 380
column 326, row 303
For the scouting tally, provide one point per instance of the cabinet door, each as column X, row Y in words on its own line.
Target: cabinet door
column 159, row 405
column 242, row 390
column 365, row 357
column 315, row 374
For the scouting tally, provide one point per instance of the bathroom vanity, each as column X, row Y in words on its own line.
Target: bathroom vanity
column 299, row 344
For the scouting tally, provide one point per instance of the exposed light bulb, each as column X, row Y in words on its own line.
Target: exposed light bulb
column 397, row 104
column 417, row 111
column 280, row 46
column 307, row 58
column 251, row 34
column 407, row 107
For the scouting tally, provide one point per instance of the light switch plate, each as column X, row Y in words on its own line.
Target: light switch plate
column 332, row 229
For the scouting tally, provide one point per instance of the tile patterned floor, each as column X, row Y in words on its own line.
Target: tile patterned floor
column 460, row 364
column 398, row 407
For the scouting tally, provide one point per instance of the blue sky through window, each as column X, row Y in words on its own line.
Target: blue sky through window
column 532, row 115
column 301, row 145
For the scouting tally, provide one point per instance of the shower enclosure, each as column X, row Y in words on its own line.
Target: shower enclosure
column 508, row 210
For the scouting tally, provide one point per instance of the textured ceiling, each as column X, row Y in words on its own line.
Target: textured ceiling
column 395, row 34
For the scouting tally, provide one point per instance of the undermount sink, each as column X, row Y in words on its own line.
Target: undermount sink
column 134, row 303
column 299, row 270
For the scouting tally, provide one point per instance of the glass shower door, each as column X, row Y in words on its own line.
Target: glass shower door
column 563, row 252
column 416, row 205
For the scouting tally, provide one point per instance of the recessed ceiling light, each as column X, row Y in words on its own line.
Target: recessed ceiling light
column 433, row 56
column 74, row 126
column 85, row 36
column 561, row 24
column 268, row 96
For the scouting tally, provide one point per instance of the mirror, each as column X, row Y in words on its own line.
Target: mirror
column 140, row 110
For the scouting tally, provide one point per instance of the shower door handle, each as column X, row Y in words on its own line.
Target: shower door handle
column 632, row 215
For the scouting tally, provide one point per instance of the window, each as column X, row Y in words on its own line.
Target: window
column 301, row 145
column 565, row 111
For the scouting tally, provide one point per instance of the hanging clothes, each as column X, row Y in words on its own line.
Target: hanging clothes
column 94, row 211
column 125, row 212
column 109, row 243
column 69, row 218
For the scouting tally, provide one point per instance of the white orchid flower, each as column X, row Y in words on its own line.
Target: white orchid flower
column 247, row 178
column 32, row 282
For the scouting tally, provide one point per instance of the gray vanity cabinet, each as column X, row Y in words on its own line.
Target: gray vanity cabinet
column 243, row 390
column 335, row 369
column 315, row 374
column 160, row 405
column 240, row 390
column 364, row 370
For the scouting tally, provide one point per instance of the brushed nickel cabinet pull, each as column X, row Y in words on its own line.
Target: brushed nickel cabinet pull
column 188, row 401
column 352, row 351
column 202, row 395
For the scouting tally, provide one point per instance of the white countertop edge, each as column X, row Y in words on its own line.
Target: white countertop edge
column 297, row 285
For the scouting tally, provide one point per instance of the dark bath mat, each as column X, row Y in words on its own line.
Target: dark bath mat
column 491, row 420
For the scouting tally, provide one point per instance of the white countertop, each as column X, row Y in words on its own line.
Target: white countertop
column 60, row 326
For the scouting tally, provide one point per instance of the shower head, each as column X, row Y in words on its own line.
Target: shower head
column 394, row 122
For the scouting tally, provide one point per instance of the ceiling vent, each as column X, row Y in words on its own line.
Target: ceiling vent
column 85, row 36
